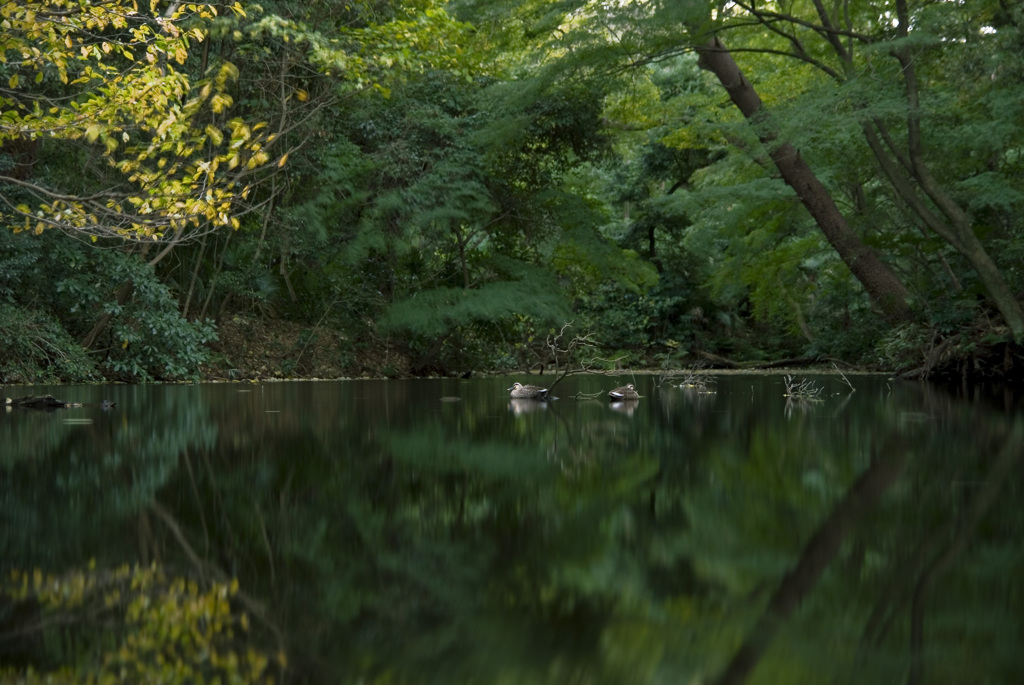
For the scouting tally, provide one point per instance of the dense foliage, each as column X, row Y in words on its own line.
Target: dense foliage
column 449, row 184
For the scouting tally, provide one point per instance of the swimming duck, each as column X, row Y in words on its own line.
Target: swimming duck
column 625, row 392
column 527, row 392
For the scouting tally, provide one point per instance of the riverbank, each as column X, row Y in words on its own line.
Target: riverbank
column 258, row 349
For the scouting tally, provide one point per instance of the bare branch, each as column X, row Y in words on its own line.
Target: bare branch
column 803, row 389
column 843, row 376
column 565, row 353
column 695, row 378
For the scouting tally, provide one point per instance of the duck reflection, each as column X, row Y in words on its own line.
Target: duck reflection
column 627, row 407
column 520, row 406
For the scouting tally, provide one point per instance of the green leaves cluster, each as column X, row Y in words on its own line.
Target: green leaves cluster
column 53, row 291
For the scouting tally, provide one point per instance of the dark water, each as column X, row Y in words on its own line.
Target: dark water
column 384, row 531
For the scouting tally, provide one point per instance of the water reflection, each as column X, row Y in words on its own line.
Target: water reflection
column 626, row 407
column 438, row 531
column 520, row 407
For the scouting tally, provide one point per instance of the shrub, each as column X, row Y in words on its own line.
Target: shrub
column 34, row 348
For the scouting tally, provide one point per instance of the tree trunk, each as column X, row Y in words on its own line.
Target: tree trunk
column 123, row 293
column 965, row 239
column 955, row 228
column 879, row 280
column 195, row 277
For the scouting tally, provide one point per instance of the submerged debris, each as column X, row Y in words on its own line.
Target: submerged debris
column 47, row 402
column 802, row 388
column 39, row 402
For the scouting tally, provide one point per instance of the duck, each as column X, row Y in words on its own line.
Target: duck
column 519, row 391
column 625, row 392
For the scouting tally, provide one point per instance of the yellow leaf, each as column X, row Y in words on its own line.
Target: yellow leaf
column 215, row 135
column 281, row 162
column 125, row 345
column 219, row 102
column 302, row 95
column 13, row 81
column 93, row 132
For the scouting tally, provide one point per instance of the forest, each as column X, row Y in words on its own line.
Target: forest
column 375, row 187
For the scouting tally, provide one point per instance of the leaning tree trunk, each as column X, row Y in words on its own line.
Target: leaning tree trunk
column 879, row 280
column 122, row 295
column 959, row 231
column 911, row 176
column 952, row 225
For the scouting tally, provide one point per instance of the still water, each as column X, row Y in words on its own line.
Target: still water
column 433, row 531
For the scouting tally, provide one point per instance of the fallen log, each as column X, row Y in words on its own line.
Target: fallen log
column 39, row 402
column 51, row 402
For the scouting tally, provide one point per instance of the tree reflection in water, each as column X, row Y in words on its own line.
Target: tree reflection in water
column 379, row 534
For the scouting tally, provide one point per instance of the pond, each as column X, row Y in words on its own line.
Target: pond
column 434, row 531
